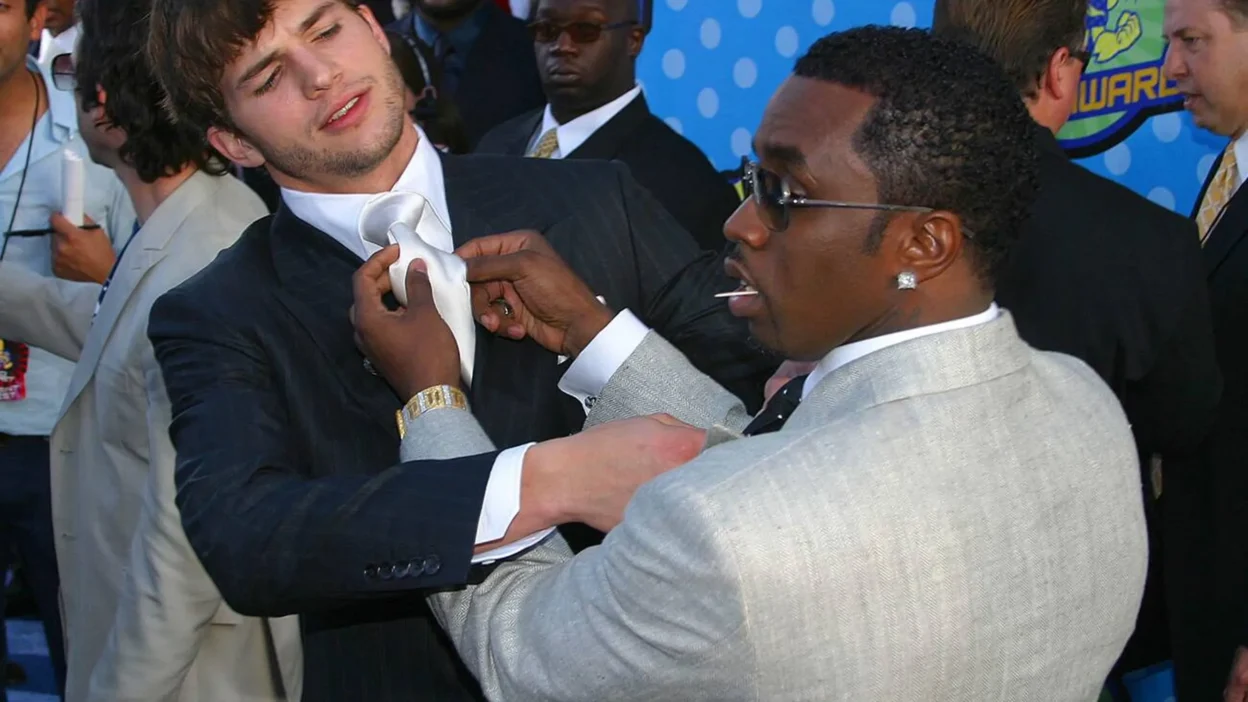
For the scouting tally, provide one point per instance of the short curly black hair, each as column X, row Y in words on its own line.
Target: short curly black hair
column 948, row 131
column 110, row 56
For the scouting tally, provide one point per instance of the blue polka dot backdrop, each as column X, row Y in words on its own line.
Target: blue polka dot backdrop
column 709, row 67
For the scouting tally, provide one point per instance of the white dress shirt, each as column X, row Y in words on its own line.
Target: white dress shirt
column 604, row 355
column 337, row 215
column 579, row 130
column 52, row 46
column 1241, row 160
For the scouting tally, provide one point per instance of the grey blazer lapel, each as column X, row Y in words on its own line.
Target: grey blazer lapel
column 148, row 248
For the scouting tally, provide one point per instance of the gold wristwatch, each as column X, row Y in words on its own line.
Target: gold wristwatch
column 436, row 397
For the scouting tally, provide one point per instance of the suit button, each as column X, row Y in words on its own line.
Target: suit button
column 432, row 565
column 385, row 571
column 370, row 572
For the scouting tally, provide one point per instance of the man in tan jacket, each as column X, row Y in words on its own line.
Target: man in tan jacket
column 143, row 621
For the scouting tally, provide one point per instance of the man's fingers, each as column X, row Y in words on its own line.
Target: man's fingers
column 506, row 267
column 419, row 289
column 501, row 244
column 372, row 280
column 669, row 420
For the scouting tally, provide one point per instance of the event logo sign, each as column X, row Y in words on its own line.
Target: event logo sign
column 1123, row 84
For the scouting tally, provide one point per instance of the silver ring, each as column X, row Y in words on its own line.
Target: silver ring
column 503, row 306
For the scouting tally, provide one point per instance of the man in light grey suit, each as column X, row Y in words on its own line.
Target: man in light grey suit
column 143, row 621
column 938, row 511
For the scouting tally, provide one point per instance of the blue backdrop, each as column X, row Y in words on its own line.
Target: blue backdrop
column 709, row 67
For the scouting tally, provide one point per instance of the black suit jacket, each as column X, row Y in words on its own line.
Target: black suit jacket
column 675, row 171
column 1115, row 280
column 1206, row 505
column 500, row 78
column 288, row 477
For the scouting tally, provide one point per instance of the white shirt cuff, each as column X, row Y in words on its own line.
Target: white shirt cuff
column 602, row 357
column 502, row 504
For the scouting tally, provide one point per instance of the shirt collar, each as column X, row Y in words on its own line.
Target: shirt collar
column 1241, row 158
column 61, row 106
column 338, row 215
column 843, row 355
column 579, row 130
column 462, row 36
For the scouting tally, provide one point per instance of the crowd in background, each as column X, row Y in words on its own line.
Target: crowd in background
column 203, row 493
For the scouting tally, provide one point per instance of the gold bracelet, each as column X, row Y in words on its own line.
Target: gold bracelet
column 436, row 397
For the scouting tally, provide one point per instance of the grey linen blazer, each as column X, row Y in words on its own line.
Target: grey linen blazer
column 956, row 517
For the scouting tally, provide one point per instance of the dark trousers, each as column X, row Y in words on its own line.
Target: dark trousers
column 26, row 526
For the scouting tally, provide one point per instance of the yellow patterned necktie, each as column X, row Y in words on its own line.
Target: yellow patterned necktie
column 1221, row 188
column 546, row 146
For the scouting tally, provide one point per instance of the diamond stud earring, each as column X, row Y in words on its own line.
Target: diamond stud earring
column 907, row 280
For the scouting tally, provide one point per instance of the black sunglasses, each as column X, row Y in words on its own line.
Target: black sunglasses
column 547, row 32
column 773, row 198
column 63, row 72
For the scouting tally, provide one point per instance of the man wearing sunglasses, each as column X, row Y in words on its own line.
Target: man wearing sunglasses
column 587, row 52
column 1103, row 274
column 483, row 51
column 938, row 511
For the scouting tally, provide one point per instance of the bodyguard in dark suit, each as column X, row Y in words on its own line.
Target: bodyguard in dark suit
column 1100, row 272
column 289, row 480
column 586, row 53
column 486, row 59
column 1206, row 500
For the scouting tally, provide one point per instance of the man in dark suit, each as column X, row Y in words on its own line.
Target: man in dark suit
column 485, row 55
column 1206, row 502
column 290, row 485
column 1100, row 272
column 586, row 53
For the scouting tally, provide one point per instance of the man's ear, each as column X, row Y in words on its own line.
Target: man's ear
column 1061, row 75
column 932, row 244
column 38, row 20
column 235, row 148
column 636, row 41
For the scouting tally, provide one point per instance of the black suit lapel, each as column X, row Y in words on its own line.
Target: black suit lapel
column 526, row 128
column 315, row 275
column 604, row 144
column 1228, row 232
column 509, row 377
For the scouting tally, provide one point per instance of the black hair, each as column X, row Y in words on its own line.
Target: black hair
column 110, row 57
column 948, row 131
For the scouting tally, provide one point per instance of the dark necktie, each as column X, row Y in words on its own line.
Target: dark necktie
column 778, row 409
column 116, row 262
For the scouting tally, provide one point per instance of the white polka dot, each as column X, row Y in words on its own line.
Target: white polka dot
column 677, row 5
column 749, row 8
column 675, row 125
column 823, row 11
column 745, row 73
column 1204, row 166
column 710, row 33
column 1118, row 159
column 786, row 41
column 741, row 142
column 674, row 63
column 1167, row 127
column 1162, row 196
column 903, row 15
column 708, row 102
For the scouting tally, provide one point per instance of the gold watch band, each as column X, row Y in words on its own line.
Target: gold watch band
column 436, row 397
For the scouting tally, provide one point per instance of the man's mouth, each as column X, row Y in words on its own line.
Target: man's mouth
column 345, row 109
